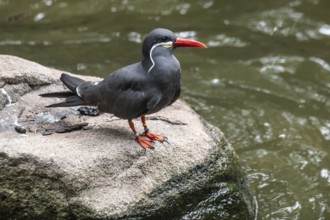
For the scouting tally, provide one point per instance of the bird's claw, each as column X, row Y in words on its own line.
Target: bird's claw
column 166, row 140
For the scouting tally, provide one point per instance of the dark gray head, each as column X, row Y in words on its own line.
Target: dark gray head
column 158, row 37
column 165, row 39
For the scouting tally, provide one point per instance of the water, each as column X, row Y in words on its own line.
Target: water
column 264, row 80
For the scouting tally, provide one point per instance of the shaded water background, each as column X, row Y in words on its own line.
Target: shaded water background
column 264, row 80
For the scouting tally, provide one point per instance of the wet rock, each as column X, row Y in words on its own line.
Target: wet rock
column 2, row 84
column 3, row 99
column 16, row 91
column 100, row 172
column 18, row 77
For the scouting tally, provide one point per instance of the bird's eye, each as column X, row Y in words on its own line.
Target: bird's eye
column 165, row 38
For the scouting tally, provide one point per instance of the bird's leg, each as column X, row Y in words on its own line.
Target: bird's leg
column 143, row 142
column 150, row 135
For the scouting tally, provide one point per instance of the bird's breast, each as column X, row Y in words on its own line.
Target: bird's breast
column 166, row 94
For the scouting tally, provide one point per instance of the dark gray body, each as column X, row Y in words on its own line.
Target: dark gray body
column 132, row 92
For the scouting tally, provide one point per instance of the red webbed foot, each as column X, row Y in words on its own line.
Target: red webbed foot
column 151, row 136
column 154, row 137
column 144, row 143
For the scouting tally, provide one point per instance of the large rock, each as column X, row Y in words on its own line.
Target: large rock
column 98, row 171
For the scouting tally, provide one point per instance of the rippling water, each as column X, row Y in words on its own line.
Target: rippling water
column 264, row 81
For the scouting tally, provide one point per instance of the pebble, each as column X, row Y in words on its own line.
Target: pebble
column 20, row 129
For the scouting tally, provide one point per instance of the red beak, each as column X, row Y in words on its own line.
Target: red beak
column 180, row 42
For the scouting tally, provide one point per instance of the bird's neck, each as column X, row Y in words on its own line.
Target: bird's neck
column 165, row 73
column 155, row 56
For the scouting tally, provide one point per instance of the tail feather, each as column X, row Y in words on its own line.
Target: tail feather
column 70, row 101
column 57, row 94
column 71, row 82
column 72, row 97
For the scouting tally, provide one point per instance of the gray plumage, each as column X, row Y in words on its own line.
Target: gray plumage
column 135, row 90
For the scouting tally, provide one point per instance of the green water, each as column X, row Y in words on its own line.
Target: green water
column 264, row 80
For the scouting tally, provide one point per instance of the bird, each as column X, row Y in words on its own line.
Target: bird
column 136, row 90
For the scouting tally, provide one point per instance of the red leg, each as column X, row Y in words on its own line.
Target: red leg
column 150, row 135
column 143, row 142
